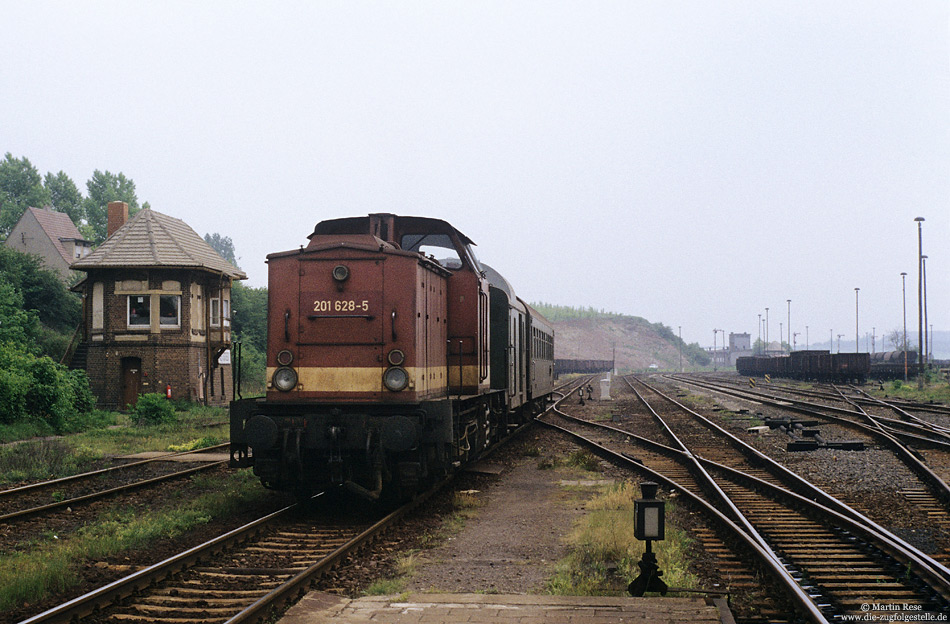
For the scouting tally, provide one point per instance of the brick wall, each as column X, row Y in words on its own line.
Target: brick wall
column 171, row 356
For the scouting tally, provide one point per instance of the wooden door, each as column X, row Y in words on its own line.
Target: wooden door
column 131, row 381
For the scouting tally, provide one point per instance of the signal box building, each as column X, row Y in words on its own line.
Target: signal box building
column 156, row 312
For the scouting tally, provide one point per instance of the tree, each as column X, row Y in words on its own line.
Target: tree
column 895, row 338
column 18, row 326
column 249, row 322
column 249, row 314
column 223, row 245
column 40, row 289
column 65, row 196
column 102, row 188
column 20, row 188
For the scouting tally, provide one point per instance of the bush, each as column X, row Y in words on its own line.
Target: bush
column 13, row 387
column 85, row 421
column 153, row 409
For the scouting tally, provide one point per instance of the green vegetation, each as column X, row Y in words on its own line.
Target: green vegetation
column 585, row 460
column 249, row 324
column 153, row 409
column 695, row 355
column 45, row 458
column 604, row 551
column 21, row 187
column 191, row 445
column 50, row 458
column 39, row 396
column 55, row 562
column 935, row 390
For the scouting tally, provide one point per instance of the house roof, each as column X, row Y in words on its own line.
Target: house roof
column 151, row 239
column 59, row 227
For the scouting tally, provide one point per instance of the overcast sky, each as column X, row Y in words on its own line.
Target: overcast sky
column 688, row 162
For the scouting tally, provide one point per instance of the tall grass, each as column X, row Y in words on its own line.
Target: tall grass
column 39, row 459
column 604, row 552
column 53, row 565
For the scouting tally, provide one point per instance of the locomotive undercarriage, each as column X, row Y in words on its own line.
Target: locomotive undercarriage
column 380, row 451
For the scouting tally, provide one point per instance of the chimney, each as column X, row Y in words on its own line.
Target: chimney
column 118, row 215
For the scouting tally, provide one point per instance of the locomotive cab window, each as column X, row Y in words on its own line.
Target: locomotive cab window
column 442, row 248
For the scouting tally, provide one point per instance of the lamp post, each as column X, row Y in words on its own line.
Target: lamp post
column 856, row 336
column 715, row 333
column 920, row 302
column 760, row 331
column 806, row 337
column 927, row 354
column 766, row 328
column 789, row 325
column 904, row 300
column 839, row 342
column 649, row 524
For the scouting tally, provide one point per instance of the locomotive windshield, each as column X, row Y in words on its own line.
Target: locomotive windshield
column 439, row 246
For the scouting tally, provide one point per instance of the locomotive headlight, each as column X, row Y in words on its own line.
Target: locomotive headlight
column 396, row 357
column 341, row 273
column 395, row 379
column 285, row 357
column 285, row 378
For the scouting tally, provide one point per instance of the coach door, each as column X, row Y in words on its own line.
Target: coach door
column 131, row 381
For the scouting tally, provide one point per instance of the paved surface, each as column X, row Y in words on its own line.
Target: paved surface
column 318, row 607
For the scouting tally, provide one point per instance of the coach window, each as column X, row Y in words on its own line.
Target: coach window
column 139, row 311
column 169, row 310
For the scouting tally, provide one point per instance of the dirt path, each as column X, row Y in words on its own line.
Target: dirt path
column 516, row 537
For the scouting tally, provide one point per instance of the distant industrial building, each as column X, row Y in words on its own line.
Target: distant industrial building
column 739, row 345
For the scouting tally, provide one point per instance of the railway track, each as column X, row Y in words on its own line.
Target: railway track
column 907, row 446
column 831, row 559
column 67, row 492
column 244, row 575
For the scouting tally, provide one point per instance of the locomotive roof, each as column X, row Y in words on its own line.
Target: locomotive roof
column 415, row 225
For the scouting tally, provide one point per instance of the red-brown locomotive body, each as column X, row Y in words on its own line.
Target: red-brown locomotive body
column 393, row 355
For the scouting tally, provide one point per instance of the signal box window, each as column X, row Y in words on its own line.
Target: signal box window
column 217, row 317
column 139, row 311
column 169, row 310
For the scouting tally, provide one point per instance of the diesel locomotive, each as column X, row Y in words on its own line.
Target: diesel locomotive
column 393, row 357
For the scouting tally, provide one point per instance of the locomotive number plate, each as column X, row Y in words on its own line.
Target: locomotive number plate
column 346, row 305
column 324, row 305
column 352, row 317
